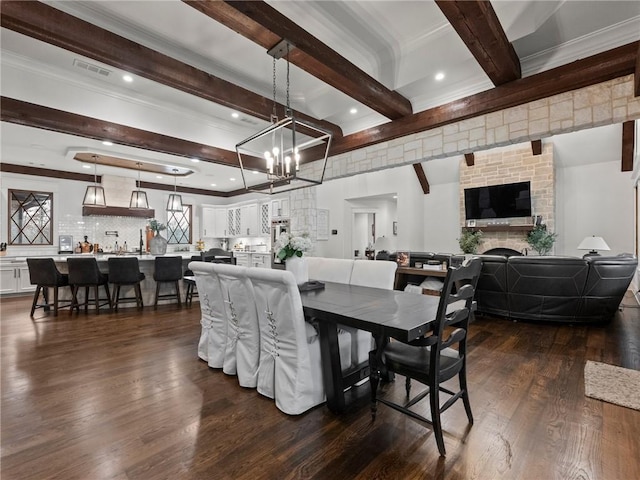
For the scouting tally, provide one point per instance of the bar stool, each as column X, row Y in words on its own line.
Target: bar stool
column 44, row 273
column 190, row 282
column 125, row 271
column 168, row 270
column 84, row 272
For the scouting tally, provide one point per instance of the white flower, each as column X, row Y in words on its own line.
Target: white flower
column 289, row 245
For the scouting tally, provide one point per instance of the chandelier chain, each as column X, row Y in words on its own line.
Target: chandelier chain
column 274, row 114
column 287, row 113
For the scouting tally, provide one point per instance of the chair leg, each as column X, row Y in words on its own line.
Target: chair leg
column 177, row 284
column 86, row 299
column 139, row 301
column 465, row 393
column 106, row 289
column 55, row 301
column 97, row 298
column 407, row 386
column 36, row 295
column 115, row 297
column 45, row 294
column 74, row 299
column 155, row 303
column 434, row 399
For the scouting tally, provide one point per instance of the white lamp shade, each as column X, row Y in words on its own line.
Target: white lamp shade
column 593, row 243
column 94, row 197
column 138, row 199
column 175, row 203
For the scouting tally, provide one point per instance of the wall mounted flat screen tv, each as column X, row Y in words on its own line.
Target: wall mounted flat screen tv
column 498, row 201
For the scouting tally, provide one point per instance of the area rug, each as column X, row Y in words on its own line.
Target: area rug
column 612, row 384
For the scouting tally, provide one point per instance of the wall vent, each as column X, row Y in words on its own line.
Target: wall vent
column 91, row 67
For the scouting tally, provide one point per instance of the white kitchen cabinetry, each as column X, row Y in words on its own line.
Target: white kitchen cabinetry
column 249, row 220
column 14, row 278
column 242, row 259
column 234, row 226
column 280, row 208
column 265, row 219
column 261, row 260
column 214, row 222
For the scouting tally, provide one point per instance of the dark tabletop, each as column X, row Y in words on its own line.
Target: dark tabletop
column 401, row 315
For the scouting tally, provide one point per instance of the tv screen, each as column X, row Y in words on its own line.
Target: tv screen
column 498, row 201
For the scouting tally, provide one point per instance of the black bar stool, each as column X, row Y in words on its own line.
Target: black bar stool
column 125, row 271
column 84, row 272
column 44, row 273
column 168, row 270
column 190, row 282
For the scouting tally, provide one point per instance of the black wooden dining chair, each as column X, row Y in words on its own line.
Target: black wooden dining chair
column 431, row 360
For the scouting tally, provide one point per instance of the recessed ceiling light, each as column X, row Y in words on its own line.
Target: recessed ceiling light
column 235, row 114
column 353, row 111
column 213, row 184
column 255, row 172
column 232, row 179
column 127, row 78
column 107, row 143
column 395, row 196
column 158, row 176
column 439, row 76
column 195, row 160
column 86, row 166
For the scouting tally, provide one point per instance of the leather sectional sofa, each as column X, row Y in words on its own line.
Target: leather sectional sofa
column 553, row 288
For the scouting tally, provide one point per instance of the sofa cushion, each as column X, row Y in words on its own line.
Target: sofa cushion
column 491, row 292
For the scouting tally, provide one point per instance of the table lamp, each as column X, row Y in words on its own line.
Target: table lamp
column 593, row 244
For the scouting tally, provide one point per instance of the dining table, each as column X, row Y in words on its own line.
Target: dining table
column 385, row 313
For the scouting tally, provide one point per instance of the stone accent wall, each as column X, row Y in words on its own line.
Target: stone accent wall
column 602, row 104
column 510, row 166
column 304, row 214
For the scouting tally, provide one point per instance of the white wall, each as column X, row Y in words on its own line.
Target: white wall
column 441, row 219
column 595, row 199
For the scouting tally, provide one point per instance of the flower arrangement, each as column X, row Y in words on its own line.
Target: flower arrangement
column 289, row 245
column 156, row 227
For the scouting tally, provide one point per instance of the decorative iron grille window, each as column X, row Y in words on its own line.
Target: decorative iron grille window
column 30, row 218
column 179, row 226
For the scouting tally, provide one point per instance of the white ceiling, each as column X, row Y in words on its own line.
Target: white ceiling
column 402, row 44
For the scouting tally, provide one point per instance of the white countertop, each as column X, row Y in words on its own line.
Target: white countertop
column 99, row 257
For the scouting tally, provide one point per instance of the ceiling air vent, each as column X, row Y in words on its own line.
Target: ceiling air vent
column 91, row 68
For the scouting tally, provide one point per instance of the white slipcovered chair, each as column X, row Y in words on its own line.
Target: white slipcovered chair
column 290, row 366
column 242, row 351
column 213, row 338
column 336, row 270
column 375, row 274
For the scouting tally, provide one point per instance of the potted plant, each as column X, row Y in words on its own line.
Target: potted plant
column 290, row 249
column 157, row 243
column 541, row 240
column 469, row 241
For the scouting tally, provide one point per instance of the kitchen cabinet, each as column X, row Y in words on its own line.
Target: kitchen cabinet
column 14, row 278
column 214, row 222
column 265, row 219
column 234, row 226
column 261, row 260
column 243, row 259
column 280, row 207
column 249, row 220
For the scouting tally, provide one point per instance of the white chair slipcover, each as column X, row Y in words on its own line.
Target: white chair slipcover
column 242, row 351
column 376, row 274
column 330, row 269
column 290, row 366
column 213, row 338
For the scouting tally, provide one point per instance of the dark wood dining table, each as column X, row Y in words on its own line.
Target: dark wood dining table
column 384, row 313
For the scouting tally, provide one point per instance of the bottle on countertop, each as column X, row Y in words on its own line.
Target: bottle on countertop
column 115, row 246
column 124, row 247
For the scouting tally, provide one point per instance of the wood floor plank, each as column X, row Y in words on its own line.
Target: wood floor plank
column 123, row 396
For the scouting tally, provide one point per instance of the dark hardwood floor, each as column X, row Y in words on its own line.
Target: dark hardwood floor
column 124, row 396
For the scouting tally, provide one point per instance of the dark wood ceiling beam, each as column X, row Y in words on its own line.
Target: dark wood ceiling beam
column 470, row 159
column 478, row 26
column 37, row 116
column 588, row 71
column 422, row 177
column 628, row 142
column 55, row 27
column 264, row 25
column 636, row 75
column 536, row 147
